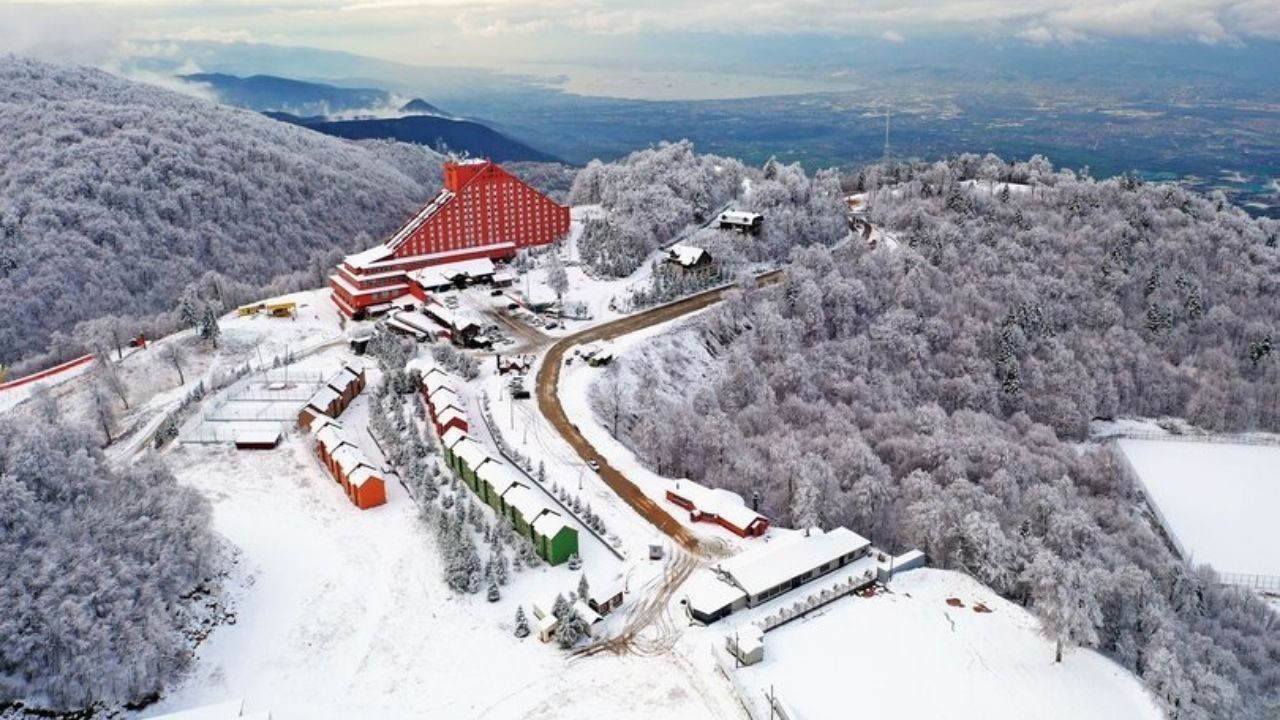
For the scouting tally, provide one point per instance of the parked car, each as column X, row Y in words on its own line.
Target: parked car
column 513, row 306
column 593, row 465
column 496, row 292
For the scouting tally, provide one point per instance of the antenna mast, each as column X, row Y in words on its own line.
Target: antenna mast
column 887, row 154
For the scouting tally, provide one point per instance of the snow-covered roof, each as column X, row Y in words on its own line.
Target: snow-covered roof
column 324, row 397
column 686, row 255
column 434, row 276
column 365, row 258
column 452, row 318
column 449, row 414
column 330, row 437
column 528, row 503
column 771, row 565
column 257, row 436
column 452, row 436
column 546, row 623
column 589, row 616
column 471, row 452
column 718, row 502
column 442, row 396
column 348, row 458
column 549, row 524
column 322, row 421
column 342, row 380
column 362, row 475
column 739, row 217
column 415, row 320
column 707, row 593
column 499, row 476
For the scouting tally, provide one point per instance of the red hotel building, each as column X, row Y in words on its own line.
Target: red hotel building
column 483, row 211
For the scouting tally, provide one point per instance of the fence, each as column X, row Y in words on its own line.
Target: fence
column 1266, row 584
column 1252, row 439
column 824, row 597
column 206, row 434
column 760, row 704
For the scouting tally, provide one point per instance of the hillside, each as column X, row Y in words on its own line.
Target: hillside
column 296, row 97
column 115, row 195
column 434, row 132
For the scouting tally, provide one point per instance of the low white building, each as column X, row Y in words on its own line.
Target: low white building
column 761, row 574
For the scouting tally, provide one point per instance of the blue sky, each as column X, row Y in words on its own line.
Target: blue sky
column 504, row 33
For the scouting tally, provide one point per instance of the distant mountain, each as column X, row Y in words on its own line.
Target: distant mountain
column 418, row 106
column 437, row 133
column 296, row 97
column 365, row 114
column 115, row 195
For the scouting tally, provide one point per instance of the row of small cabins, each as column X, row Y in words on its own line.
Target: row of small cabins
column 361, row 480
column 495, row 483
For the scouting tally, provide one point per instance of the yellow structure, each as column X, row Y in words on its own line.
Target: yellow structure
column 284, row 309
column 249, row 309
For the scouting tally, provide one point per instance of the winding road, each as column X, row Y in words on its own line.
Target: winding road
column 548, row 382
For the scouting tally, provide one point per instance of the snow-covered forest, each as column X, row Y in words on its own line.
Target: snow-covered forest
column 653, row 195
column 931, row 396
column 103, row 568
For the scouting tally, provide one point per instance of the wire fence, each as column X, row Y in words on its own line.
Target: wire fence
column 206, row 434
column 1252, row 439
column 1266, row 584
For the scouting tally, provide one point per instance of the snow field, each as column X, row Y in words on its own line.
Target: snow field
column 1219, row 500
column 908, row 653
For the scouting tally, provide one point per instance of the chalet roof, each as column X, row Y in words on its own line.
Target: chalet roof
column 442, row 396
column 452, row 436
column 589, row 616
column 549, row 524
column 527, row 502
column 448, row 415
column 322, row 421
column 324, row 397
column 499, row 476
column 471, row 452
column 707, row 593
column 342, row 380
column 348, row 457
column 363, row 474
column 686, row 255
column 330, row 437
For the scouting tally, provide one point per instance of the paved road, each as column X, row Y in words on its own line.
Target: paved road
column 549, row 402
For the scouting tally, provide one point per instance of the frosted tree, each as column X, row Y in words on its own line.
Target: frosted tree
column 569, row 630
column 173, row 353
column 1062, row 598
column 493, row 594
column 584, row 590
column 522, row 623
column 557, row 276
column 107, row 374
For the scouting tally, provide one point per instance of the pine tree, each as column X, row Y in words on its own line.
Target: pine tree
column 584, row 590
column 569, row 630
column 560, row 608
column 209, row 329
column 522, row 623
column 494, row 595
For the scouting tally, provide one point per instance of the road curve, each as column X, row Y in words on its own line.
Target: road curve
column 548, row 385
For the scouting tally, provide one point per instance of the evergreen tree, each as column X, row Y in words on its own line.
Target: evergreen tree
column 522, row 623
column 493, row 594
column 584, row 590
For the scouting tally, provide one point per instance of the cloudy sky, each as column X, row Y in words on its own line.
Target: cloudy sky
column 498, row 33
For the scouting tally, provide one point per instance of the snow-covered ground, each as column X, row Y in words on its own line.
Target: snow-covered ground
column 907, row 653
column 343, row 613
column 1218, row 499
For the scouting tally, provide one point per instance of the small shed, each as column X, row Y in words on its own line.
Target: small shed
column 604, row 598
column 555, row 540
column 590, row 618
column 546, row 626
column 257, row 438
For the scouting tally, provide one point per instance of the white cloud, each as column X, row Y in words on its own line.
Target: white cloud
column 892, row 36
column 199, row 33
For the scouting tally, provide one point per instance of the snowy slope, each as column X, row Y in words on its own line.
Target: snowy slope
column 909, row 654
column 343, row 614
